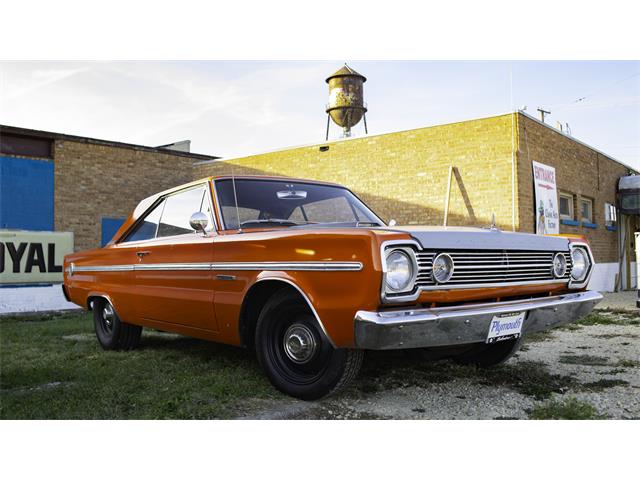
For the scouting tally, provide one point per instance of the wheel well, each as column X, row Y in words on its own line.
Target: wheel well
column 91, row 299
column 252, row 305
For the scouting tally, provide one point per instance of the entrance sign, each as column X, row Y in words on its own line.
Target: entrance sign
column 546, row 199
column 33, row 257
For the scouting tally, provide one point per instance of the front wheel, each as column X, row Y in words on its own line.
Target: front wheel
column 488, row 355
column 295, row 353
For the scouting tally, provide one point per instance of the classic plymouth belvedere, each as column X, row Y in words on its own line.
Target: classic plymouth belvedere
column 307, row 275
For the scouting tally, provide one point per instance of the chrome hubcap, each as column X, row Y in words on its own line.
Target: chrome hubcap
column 299, row 343
column 107, row 315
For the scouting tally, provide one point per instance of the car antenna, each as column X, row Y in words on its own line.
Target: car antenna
column 235, row 197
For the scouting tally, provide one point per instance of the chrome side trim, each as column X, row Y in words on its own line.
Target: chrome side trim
column 306, row 298
column 171, row 266
column 292, row 266
column 257, row 266
column 103, row 268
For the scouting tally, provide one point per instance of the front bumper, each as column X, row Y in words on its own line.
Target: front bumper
column 464, row 324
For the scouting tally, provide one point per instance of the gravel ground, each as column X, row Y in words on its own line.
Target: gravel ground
column 596, row 364
column 620, row 301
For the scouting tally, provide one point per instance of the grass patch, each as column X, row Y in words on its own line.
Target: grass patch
column 609, row 318
column 537, row 337
column 604, row 383
column 50, row 370
column 627, row 364
column 584, row 360
column 569, row 409
column 596, row 318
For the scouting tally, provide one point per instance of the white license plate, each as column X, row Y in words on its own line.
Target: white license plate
column 505, row 327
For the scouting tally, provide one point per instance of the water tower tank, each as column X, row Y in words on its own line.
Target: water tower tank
column 346, row 98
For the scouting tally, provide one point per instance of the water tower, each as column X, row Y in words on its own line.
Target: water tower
column 346, row 105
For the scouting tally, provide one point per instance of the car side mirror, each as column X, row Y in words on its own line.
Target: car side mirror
column 199, row 222
column 392, row 222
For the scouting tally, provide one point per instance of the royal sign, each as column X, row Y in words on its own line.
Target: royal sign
column 33, row 257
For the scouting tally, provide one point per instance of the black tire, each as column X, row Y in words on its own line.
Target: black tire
column 489, row 355
column 112, row 333
column 306, row 366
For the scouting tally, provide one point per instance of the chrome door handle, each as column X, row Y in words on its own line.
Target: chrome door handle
column 142, row 254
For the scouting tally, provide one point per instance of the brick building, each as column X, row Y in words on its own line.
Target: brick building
column 405, row 176
column 56, row 182
column 59, row 182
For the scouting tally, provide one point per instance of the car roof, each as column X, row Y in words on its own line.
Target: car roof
column 273, row 177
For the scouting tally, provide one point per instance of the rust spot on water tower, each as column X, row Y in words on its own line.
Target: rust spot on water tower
column 346, row 98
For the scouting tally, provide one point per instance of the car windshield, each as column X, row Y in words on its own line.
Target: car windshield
column 269, row 203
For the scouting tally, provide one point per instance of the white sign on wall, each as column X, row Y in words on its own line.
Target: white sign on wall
column 546, row 199
column 33, row 257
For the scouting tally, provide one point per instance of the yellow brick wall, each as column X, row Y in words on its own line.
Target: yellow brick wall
column 403, row 175
column 94, row 181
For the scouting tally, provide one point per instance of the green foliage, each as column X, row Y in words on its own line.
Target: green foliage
column 569, row 409
column 54, row 368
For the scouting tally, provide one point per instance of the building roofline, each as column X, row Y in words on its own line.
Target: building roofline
column 95, row 141
column 570, row 137
column 349, row 139
column 473, row 119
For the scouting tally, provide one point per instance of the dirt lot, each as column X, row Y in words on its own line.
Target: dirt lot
column 52, row 367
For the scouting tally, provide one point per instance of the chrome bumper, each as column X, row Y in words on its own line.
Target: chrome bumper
column 435, row 327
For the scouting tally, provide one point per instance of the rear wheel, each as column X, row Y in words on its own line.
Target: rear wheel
column 488, row 355
column 295, row 353
column 111, row 332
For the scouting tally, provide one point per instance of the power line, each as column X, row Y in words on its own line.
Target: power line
column 559, row 106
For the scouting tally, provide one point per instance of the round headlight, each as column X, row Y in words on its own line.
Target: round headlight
column 399, row 270
column 580, row 264
column 559, row 265
column 442, row 268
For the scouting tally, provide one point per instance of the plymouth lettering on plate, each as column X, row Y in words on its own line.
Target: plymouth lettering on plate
column 506, row 327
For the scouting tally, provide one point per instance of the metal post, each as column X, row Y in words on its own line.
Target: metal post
column 328, row 120
column 364, row 116
column 446, row 202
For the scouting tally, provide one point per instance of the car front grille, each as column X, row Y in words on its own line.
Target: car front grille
column 489, row 267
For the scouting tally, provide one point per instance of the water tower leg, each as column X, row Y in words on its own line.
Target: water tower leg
column 364, row 117
column 328, row 120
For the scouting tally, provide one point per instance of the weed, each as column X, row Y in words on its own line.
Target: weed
column 569, row 409
column 584, row 360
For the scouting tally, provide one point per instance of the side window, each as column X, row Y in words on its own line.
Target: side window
column 146, row 229
column 178, row 211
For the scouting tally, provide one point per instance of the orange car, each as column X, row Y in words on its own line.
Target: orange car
column 309, row 276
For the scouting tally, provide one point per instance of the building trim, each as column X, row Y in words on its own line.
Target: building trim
column 27, row 132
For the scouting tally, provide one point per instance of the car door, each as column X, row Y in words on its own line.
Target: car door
column 173, row 275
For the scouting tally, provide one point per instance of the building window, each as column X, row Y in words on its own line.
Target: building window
column 610, row 216
column 586, row 210
column 566, row 206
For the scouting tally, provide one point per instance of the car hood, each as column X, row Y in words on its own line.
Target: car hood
column 481, row 238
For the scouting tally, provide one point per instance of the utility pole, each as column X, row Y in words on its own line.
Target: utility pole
column 543, row 113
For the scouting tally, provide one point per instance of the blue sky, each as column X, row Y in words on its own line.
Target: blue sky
column 236, row 108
